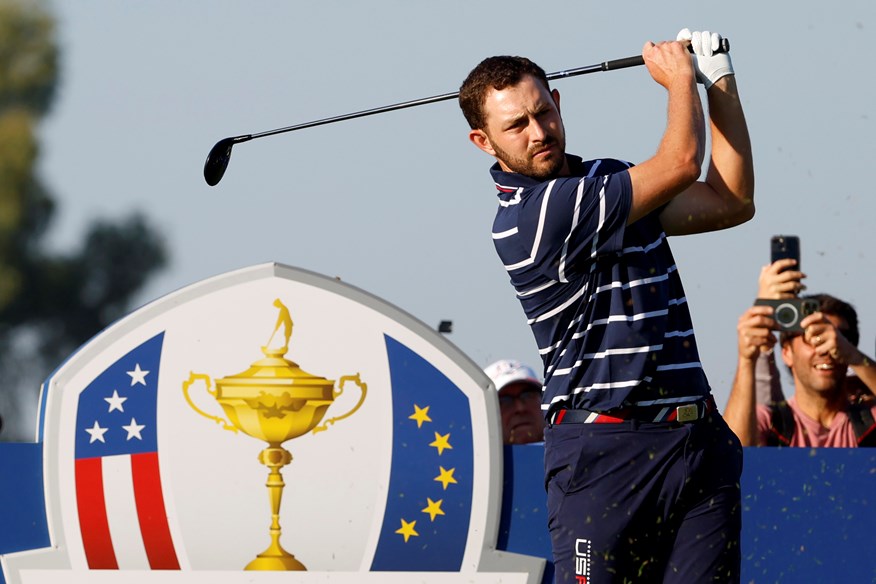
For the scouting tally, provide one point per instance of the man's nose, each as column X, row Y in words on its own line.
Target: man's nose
column 537, row 132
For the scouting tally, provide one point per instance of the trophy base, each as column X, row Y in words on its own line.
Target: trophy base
column 276, row 563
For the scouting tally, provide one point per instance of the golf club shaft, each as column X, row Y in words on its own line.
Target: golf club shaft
column 605, row 66
column 219, row 156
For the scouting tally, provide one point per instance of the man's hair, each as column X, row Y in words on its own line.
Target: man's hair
column 493, row 73
column 834, row 307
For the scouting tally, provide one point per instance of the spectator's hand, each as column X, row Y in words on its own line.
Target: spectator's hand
column 777, row 280
column 755, row 331
column 709, row 65
column 826, row 339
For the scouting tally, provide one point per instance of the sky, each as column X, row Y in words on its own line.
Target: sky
column 401, row 204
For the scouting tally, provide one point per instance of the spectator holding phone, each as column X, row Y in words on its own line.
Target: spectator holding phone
column 781, row 280
column 819, row 413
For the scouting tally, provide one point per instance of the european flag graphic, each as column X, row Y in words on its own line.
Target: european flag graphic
column 425, row 526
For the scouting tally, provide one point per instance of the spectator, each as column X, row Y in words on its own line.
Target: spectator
column 781, row 280
column 519, row 390
column 819, row 413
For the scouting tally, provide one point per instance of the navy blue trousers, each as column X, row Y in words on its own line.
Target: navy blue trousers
column 644, row 502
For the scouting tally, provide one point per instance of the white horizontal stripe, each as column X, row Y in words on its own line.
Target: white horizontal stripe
column 647, row 248
column 612, row 385
column 505, row 234
column 550, row 313
column 518, row 265
column 635, row 283
column 537, row 289
column 615, row 284
column 668, row 400
column 686, row 333
column 550, row 349
column 607, row 353
column 690, row 365
column 613, row 318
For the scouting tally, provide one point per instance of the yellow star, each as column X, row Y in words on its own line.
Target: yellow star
column 433, row 508
column 420, row 415
column 407, row 529
column 446, row 477
column 441, row 442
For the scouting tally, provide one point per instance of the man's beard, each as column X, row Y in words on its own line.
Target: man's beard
column 527, row 166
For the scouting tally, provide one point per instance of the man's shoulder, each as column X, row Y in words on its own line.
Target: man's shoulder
column 600, row 166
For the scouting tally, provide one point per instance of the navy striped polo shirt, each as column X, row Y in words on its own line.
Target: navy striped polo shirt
column 604, row 299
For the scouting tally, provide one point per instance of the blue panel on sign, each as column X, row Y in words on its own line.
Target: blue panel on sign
column 22, row 503
column 428, row 507
column 808, row 515
column 523, row 522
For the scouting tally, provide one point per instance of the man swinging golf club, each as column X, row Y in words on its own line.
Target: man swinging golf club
column 642, row 473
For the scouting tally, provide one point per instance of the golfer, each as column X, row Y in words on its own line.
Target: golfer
column 642, row 473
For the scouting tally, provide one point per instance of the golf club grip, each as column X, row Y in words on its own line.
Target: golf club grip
column 623, row 63
column 638, row 60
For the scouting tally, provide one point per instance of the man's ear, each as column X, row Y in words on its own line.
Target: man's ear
column 788, row 353
column 556, row 95
column 480, row 139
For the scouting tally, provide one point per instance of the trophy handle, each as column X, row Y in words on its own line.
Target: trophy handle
column 193, row 377
column 340, row 390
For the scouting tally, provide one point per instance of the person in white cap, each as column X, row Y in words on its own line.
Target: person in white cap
column 519, row 390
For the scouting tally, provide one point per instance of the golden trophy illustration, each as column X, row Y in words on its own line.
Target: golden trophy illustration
column 274, row 401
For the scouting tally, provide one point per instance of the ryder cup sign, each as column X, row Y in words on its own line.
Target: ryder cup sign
column 269, row 425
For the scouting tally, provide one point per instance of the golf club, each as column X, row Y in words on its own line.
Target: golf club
column 220, row 154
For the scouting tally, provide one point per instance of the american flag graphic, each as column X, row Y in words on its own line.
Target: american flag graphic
column 122, row 515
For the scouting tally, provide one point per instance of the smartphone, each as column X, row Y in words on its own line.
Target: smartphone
column 789, row 312
column 785, row 246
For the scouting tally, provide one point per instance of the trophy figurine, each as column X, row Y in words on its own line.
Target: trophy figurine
column 274, row 401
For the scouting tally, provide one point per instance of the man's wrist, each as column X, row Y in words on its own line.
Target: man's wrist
column 724, row 85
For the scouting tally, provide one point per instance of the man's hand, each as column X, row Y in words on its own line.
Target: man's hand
column 668, row 62
column 755, row 332
column 826, row 339
column 709, row 65
column 755, row 335
column 778, row 280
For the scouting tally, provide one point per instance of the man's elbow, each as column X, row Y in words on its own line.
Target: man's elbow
column 743, row 212
column 689, row 170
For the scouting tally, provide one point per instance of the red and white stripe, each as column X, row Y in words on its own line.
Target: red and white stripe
column 122, row 516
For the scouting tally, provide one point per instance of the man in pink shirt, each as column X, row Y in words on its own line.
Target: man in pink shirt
column 819, row 413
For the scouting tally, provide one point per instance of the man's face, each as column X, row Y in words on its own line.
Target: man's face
column 818, row 374
column 524, row 130
column 522, row 420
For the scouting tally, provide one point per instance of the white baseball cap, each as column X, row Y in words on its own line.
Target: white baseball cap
column 509, row 371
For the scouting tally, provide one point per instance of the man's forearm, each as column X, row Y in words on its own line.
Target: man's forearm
column 740, row 413
column 731, row 168
column 865, row 369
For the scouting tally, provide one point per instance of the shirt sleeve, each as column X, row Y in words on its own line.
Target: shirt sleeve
column 763, row 424
column 767, row 379
column 577, row 220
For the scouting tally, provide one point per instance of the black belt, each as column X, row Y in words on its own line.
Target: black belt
column 662, row 412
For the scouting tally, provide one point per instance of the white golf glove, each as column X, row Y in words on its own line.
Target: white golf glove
column 709, row 65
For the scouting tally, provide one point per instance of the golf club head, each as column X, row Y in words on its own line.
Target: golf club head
column 217, row 161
